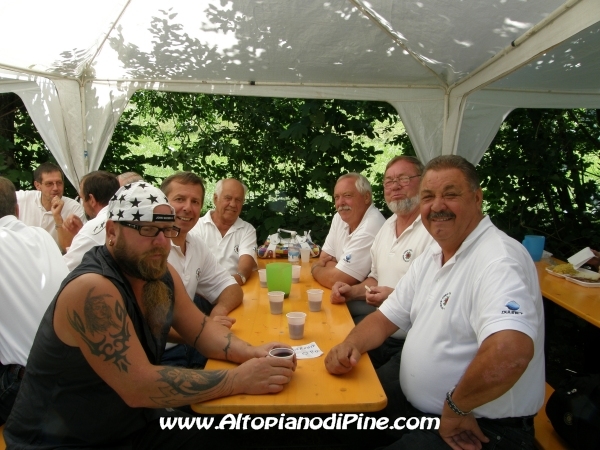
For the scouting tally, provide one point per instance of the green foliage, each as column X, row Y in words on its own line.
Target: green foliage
column 289, row 152
column 540, row 176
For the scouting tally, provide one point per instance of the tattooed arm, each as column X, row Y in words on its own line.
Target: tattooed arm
column 90, row 314
column 209, row 337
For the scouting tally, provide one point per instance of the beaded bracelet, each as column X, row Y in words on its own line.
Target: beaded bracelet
column 452, row 406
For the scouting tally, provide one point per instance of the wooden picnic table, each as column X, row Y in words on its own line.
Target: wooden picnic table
column 580, row 300
column 312, row 389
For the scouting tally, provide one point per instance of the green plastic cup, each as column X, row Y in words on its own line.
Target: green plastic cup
column 279, row 277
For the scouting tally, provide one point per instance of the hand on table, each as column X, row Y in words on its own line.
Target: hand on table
column 377, row 295
column 341, row 358
column 224, row 320
column 461, row 432
column 263, row 375
column 340, row 292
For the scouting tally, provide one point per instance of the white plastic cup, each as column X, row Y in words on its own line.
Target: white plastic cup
column 296, row 273
column 296, row 324
column 262, row 276
column 315, row 297
column 282, row 353
column 276, row 301
column 305, row 254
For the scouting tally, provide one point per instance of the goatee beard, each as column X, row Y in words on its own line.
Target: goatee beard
column 156, row 295
column 404, row 206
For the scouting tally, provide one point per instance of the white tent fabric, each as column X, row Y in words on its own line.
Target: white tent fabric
column 453, row 70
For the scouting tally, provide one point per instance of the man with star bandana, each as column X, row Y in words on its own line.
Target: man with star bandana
column 93, row 377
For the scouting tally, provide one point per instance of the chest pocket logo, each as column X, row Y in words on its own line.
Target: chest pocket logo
column 445, row 299
column 407, row 255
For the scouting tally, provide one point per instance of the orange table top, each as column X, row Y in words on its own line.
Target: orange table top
column 580, row 300
column 312, row 389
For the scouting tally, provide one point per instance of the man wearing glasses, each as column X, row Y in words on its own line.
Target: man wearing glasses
column 46, row 207
column 400, row 240
column 94, row 377
column 345, row 255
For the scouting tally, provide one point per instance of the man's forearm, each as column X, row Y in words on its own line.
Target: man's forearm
column 327, row 276
column 230, row 298
column 371, row 332
column 498, row 365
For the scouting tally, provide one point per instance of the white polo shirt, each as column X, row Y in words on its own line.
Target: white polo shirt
column 31, row 271
column 32, row 213
column 239, row 240
column 199, row 269
column 489, row 285
column 391, row 256
column 352, row 250
column 92, row 234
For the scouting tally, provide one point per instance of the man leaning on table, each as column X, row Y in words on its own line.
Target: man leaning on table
column 231, row 239
column 472, row 306
column 345, row 256
column 93, row 375
column 217, row 292
column 400, row 240
column 31, row 270
column 46, row 207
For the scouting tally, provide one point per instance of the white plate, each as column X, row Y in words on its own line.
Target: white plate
column 583, row 283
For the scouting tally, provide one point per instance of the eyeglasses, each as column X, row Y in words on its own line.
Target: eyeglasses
column 402, row 181
column 152, row 231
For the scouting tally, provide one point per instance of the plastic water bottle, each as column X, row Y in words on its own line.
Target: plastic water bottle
column 294, row 249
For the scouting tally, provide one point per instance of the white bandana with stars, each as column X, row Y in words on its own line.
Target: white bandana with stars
column 135, row 202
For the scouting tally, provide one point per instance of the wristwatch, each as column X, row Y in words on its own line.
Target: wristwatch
column 243, row 278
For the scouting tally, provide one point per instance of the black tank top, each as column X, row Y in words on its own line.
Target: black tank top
column 62, row 402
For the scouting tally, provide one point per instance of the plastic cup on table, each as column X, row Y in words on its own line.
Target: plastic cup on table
column 262, row 276
column 296, row 273
column 282, row 352
column 315, row 297
column 305, row 254
column 534, row 245
column 276, row 302
column 296, row 324
column 279, row 277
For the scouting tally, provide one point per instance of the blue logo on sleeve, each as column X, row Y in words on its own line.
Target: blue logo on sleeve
column 347, row 258
column 513, row 308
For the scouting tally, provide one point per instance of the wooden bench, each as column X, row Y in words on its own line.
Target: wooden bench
column 546, row 437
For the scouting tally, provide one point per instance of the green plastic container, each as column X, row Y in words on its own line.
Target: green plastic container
column 279, row 277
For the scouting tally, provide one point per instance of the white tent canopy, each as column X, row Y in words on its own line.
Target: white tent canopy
column 452, row 69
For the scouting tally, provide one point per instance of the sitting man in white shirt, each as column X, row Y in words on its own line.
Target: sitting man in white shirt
column 217, row 291
column 345, row 256
column 473, row 359
column 31, row 271
column 97, row 189
column 231, row 239
column 46, row 207
column 400, row 240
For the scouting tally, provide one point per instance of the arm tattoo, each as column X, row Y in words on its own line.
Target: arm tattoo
column 202, row 325
column 228, row 346
column 99, row 318
column 185, row 383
